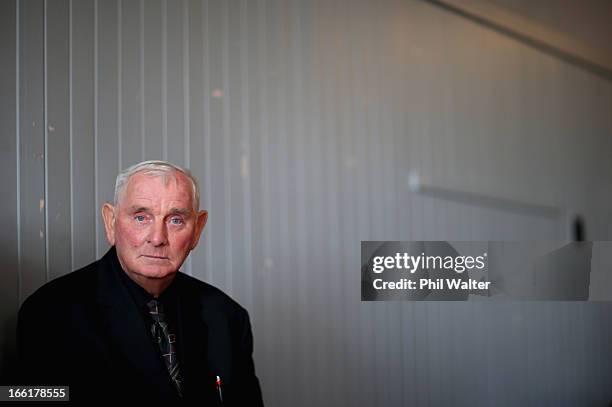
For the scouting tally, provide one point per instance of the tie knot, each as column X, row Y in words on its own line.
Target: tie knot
column 156, row 310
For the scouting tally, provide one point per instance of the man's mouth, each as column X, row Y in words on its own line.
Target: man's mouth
column 155, row 257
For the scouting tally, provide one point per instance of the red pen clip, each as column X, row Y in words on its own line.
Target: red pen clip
column 219, row 390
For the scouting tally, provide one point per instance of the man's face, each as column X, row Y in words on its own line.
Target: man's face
column 154, row 225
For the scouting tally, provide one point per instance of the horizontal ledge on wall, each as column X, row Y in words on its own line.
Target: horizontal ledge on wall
column 532, row 33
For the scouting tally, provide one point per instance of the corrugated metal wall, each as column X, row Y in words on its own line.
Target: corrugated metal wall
column 303, row 121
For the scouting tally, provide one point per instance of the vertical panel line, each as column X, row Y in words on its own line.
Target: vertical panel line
column 164, row 63
column 45, row 140
column 18, row 143
column 186, row 80
column 186, row 100
column 265, row 127
column 207, row 136
column 96, row 194
column 246, row 134
column 142, row 92
column 119, row 86
column 70, row 130
column 227, row 135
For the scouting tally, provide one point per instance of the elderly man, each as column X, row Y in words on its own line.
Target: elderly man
column 130, row 325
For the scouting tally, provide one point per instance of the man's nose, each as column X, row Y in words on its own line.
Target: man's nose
column 159, row 234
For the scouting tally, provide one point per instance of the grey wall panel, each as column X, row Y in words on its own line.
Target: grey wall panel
column 259, row 263
column 302, row 122
column 195, row 94
column 9, row 167
column 173, row 82
column 153, row 80
column 131, row 71
column 31, row 150
column 203, row 155
column 215, row 33
column 57, row 139
column 245, row 167
column 236, row 155
column 107, row 114
column 85, row 209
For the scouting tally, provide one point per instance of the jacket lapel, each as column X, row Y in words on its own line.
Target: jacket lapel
column 193, row 343
column 125, row 329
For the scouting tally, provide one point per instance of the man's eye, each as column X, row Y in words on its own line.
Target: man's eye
column 139, row 218
column 176, row 221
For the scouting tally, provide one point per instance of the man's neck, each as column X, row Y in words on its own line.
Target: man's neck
column 154, row 286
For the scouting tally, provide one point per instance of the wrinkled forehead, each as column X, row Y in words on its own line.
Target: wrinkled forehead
column 173, row 185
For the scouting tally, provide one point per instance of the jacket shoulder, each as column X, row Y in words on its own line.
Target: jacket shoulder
column 72, row 287
column 209, row 296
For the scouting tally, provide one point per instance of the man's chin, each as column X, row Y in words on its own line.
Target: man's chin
column 156, row 273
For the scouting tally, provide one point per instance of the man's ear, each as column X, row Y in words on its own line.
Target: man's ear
column 201, row 219
column 108, row 215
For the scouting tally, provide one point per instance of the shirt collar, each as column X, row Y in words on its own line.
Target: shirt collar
column 140, row 296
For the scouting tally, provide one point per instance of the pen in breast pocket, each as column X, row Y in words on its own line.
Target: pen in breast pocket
column 219, row 390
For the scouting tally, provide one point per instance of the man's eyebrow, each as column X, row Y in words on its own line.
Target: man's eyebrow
column 180, row 211
column 137, row 208
column 173, row 211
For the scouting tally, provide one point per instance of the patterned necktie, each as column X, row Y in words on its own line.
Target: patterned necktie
column 166, row 342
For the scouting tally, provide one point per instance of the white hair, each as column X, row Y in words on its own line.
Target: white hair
column 156, row 168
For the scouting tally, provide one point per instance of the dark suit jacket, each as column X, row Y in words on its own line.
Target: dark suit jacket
column 84, row 330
